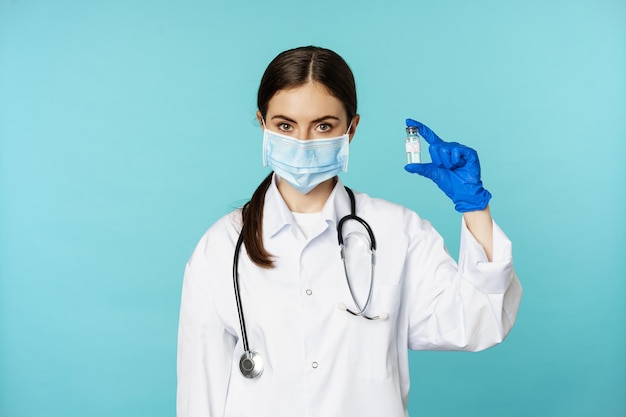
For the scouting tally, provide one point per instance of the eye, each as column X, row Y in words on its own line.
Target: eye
column 324, row 127
column 285, row 127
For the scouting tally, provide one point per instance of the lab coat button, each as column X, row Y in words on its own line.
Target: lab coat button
column 309, row 292
column 314, row 365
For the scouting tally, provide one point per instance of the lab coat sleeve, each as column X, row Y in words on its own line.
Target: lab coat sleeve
column 205, row 348
column 470, row 306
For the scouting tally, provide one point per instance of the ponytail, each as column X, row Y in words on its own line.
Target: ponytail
column 252, row 229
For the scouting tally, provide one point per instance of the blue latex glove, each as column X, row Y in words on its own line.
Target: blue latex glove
column 454, row 168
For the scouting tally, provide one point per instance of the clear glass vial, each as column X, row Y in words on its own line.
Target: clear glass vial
column 413, row 146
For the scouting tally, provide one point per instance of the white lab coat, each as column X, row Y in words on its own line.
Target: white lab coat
column 320, row 360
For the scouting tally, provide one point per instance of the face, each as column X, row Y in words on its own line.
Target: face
column 307, row 112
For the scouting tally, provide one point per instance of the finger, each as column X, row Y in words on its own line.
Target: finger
column 469, row 155
column 445, row 157
column 425, row 131
column 425, row 170
column 456, row 157
column 435, row 154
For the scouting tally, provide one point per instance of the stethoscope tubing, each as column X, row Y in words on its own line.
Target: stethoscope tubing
column 242, row 321
column 361, row 310
column 353, row 216
column 250, row 363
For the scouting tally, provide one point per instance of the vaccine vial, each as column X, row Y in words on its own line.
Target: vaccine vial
column 413, row 146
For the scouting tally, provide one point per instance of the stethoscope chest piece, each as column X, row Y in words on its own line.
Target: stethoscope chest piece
column 251, row 364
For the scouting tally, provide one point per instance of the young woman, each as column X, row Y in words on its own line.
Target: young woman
column 278, row 319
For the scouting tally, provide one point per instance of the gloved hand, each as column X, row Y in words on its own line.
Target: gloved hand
column 454, row 168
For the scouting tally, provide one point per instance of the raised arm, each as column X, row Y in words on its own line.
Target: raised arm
column 455, row 169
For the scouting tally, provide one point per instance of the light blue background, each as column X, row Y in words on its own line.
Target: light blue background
column 127, row 128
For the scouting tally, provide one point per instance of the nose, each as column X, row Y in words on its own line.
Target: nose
column 305, row 134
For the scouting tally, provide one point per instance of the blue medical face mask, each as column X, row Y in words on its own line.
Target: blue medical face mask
column 305, row 164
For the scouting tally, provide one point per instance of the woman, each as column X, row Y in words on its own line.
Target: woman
column 328, row 335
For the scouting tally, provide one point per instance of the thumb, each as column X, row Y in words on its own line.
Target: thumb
column 425, row 170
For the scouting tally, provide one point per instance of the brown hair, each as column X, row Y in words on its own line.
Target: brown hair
column 293, row 68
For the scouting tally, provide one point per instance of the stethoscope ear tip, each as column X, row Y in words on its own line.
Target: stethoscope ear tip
column 342, row 307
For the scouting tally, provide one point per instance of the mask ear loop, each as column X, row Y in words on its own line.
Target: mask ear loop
column 347, row 149
column 265, row 144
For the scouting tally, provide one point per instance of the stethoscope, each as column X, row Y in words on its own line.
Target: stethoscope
column 251, row 363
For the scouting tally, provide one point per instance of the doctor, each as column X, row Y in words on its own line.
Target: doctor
column 286, row 323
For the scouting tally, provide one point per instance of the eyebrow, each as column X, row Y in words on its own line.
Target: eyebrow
column 319, row 119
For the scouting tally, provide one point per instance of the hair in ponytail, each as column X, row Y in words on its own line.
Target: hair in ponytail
column 252, row 216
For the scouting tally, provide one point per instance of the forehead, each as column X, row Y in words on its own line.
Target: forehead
column 308, row 101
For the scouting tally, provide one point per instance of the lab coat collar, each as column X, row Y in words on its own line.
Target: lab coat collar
column 337, row 205
column 276, row 214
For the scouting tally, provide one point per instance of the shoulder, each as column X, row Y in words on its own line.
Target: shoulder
column 367, row 202
column 220, row 238
column 394, row 223
column 387, row 211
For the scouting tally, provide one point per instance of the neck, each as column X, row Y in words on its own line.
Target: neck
column 312, row 202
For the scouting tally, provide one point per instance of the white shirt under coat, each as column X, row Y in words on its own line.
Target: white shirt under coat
column 320, row 360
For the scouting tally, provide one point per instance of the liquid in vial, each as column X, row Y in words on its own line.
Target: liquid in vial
column 413, row 146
